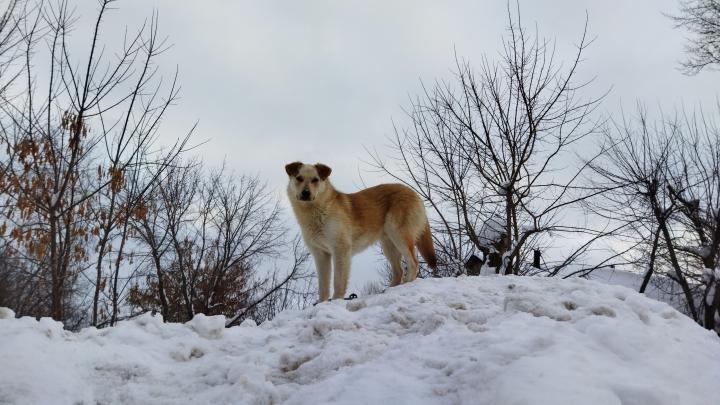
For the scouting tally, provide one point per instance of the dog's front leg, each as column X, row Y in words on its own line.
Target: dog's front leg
column 322, row 266
column 341, row 273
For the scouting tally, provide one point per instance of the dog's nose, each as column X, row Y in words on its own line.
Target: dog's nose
column 305, row 195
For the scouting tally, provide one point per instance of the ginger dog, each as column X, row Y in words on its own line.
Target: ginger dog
column 335, row 225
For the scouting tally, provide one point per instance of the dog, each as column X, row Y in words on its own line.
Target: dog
column 335, row 226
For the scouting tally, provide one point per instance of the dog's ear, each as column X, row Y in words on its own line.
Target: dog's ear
column 323, row 171
column 292, row 169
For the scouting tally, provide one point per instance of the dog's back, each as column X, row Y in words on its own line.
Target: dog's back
column 373, row 207
column 392, row 211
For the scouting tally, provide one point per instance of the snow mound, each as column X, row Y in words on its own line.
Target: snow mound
column 210, row 327
column 6, row 313
column 489, row 340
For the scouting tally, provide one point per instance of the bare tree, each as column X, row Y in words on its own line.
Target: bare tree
column 15, row 14
column 695, row 190
column 153, row 235
column 701, row 18
column 91, row 204
column 17, row 289
column 210, row 239
column 73, row 144
column 663, row 180
column 484, row 151
column 277, row 292
column 635, row 172
column 127, row 142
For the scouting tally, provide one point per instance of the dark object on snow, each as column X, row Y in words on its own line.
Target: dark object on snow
column 350, row 297
column 473, row 265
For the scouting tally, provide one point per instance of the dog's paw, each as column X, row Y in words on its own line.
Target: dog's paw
column 320, row 302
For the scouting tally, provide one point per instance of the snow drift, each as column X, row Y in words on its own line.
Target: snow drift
column 479, row 340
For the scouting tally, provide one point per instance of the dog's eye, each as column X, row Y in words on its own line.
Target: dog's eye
column 315, row 180
column 299, row 178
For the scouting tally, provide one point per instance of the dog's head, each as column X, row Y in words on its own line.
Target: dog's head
column 306, row 182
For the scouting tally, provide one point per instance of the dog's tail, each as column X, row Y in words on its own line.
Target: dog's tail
column 425, row 246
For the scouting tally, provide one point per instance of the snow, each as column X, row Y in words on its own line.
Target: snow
column 659, row 288
column 492, row 230
column 6, row 313
column 711, row 274
column 467, row 340
column 503, row 188
column 210, row 327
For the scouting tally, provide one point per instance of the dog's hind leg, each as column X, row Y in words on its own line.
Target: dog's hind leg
column 407, row 249
column 393, row 256
column 412, row 262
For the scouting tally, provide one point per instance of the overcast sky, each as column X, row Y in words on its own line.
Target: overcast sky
column 271, row 82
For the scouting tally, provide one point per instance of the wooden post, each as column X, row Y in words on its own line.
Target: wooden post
column 536, row 258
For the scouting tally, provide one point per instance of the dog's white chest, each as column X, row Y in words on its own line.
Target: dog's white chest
column 316, row 229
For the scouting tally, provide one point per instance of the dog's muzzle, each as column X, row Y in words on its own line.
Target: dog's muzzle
column 305, row 195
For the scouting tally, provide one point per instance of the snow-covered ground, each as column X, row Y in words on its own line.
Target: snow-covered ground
column 660, row 287
column 474, row 340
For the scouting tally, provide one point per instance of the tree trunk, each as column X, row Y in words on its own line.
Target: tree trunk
column 507, row 261
column 161, row 288
column 98, row 280
column 711, row 309
column 676, row 265
column 56, row 310
column 651, row 269
column 121, row 251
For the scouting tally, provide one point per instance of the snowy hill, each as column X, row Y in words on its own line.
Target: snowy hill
column 670, row 292
column 477, row 340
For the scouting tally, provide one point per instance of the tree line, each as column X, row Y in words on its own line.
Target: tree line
column 99, row 221
column 516, row 163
